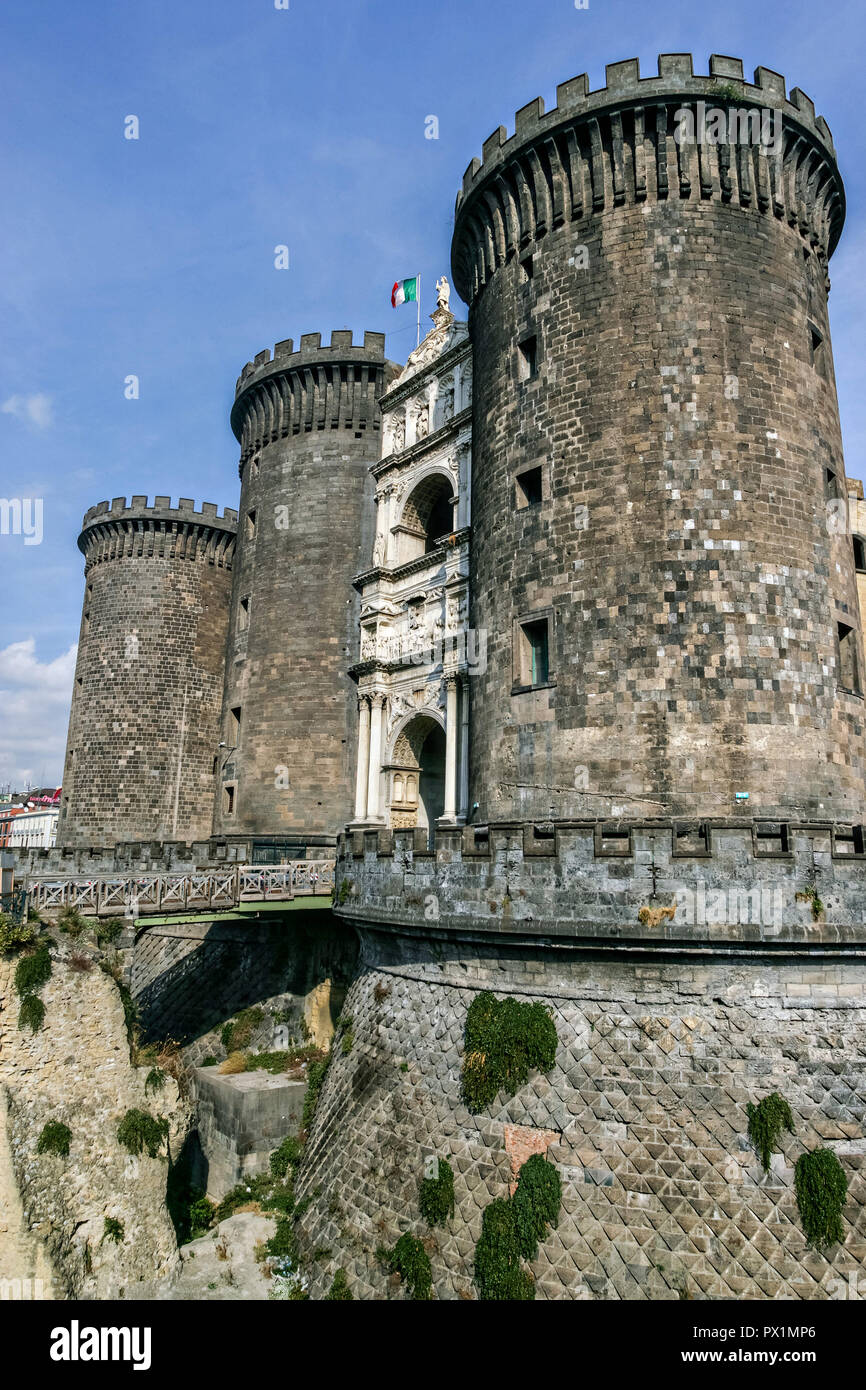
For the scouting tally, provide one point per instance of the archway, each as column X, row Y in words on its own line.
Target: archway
column 427, row 515
column 416, row 775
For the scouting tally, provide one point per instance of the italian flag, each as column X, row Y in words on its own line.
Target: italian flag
column 405, row 291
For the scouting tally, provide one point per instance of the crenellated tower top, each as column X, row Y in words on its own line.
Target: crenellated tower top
column 597, row 150
column 336, row 387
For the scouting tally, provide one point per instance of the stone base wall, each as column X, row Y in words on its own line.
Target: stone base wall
column 644, row 1115
column 241, row 1119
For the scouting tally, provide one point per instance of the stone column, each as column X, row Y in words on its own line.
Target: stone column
column 463, row 800
column 377, row 714
column 451, row 738
column 363, row 758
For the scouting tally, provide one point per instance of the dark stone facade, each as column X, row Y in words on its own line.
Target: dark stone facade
column 683, row 413
column 144, row 724
column 309, row 427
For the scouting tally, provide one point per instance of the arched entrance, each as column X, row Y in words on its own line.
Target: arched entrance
column 416, row 775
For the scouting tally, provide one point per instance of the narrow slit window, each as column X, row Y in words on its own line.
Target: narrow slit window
column 529, row 488
column 528, row 359
column 244, row 615
column 849, row 672
column 527, row 269
column 251, row 525
column 816, row 347
column 831, row 484
column 235, row 726
column 229, row 800
column 859, row 554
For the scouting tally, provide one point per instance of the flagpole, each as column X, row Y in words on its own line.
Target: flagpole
column 418, row 344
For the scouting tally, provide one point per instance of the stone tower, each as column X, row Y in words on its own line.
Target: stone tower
column 672, row 616
column 144, row 724
column 309, row 427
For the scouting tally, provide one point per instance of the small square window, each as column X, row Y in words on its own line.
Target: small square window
column 849, row 667
column 251, row 525
column 533, row 654
column 529, row 490
column 528, row 359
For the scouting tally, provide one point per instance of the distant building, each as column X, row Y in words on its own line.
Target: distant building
column 27, row 827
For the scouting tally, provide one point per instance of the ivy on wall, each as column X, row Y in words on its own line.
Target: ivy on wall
column 504, row 1040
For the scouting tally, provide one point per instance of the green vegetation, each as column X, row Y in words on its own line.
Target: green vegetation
column 108, row 930
column 237, row 1033
column 767, row 1119
column 342, row 892
column 410, row 1260
column 315, row 1081
column 14, row 936
column 33, row 970
column 131, row 1016
column 112, row 1230
column 54, row 1139
column 201, row 1215
column 209, row 1062
column 536, row 1203
column 511, row 1230
column 138, row 1132
column 499, row 1274
column 348, row 1042
column 283, row 1243
column 155, row 1080
column 504, row 1040
column 810, row 895
column 32, row 1013
column 71, row 922
column 340, row 1291
column 821, row 1187
column 284, row 1159
column 436, row 1195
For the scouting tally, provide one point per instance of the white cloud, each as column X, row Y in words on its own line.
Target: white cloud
column 34, row 699
column 36, row 410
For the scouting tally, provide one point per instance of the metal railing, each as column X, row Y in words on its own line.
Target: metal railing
column 134, row 895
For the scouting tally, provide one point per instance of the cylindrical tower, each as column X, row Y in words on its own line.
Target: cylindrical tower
column 660, row 559
column 144, row 725
column 308, row 425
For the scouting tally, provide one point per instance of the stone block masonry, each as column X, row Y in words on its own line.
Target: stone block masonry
column 308, row 425
column 144, row 724
column 644, row 1116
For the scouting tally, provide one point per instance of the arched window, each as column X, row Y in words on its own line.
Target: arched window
column 428, row 515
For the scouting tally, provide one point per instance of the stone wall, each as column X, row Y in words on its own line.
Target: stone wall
column 644, row 1115
column 190, row 977
column 729, row 880
column 678, row 400
column 240, row 1120
column 309, row 427
column 76, row 1069
column 144, row 723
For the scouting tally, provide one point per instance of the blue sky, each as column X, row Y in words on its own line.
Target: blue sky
column 260, row 127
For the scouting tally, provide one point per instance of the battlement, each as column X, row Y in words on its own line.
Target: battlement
column 113, row 530
column 309, row 348
column 292, row 392
column 661, row 881
column 595, row 150
column 160, row 509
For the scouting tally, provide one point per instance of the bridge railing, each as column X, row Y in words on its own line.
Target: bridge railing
column 137, row 895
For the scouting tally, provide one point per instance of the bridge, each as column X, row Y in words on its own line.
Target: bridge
column 144, row 894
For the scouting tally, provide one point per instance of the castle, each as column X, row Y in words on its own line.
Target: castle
column 555, row 634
